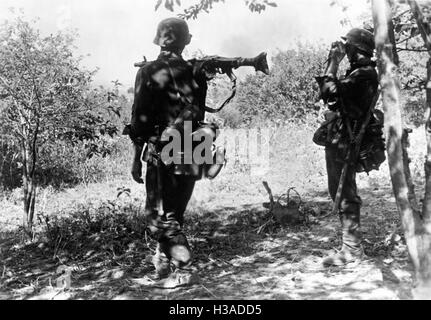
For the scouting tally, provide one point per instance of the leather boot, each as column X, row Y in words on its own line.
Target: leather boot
column 351, row 251
column 182, row 274
column 162, row 263
column 181, row 277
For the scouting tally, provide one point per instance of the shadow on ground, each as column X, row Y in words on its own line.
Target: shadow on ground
column 234, row 261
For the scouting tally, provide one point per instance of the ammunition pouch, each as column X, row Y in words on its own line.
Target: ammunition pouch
column 329, row 133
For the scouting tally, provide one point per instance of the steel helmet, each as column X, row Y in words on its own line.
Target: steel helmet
column 172, row 33
column 362, row 39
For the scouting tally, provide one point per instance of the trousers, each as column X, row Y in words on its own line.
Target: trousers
column 350, row 201
column 167, row 228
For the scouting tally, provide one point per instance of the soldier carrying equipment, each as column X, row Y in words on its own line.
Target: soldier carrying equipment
column 170, row 96
column 213, row 65
column 351, row 134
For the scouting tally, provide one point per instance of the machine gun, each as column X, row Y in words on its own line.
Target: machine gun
column 213, row 65
column 217, row 64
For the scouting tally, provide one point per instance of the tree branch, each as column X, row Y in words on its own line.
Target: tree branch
column 424, row 28
column 411, row 50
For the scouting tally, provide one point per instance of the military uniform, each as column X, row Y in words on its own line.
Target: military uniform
column 170, row 96
column 168, row 91
column 351, row 97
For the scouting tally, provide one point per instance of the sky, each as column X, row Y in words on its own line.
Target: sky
column 117, row 33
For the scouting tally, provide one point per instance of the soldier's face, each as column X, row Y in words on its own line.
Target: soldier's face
column 350, row 51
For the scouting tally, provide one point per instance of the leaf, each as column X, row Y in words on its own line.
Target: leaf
column 271, row 4
column 169, row 4
column 159, row 2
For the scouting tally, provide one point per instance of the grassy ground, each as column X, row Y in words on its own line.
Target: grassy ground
column 95, row 232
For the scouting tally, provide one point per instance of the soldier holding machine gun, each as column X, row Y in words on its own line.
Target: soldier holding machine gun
column 170, row 94
column 351, row 134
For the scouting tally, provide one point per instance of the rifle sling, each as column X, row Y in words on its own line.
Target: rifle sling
column 232, row 78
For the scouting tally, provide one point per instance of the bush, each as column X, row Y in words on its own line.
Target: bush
column 65, row 165
column 289, row 93
column 112, row 226
column 413, row 80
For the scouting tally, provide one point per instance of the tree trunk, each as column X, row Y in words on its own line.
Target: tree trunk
column 29, row 191
column 26, row 183
column 390, row 85
column 427, row 199
column 417, row 238
column 29, row 161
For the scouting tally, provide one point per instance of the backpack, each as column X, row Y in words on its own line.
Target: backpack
column 372, row 151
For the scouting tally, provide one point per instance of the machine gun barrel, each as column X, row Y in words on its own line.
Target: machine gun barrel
column 212, row 63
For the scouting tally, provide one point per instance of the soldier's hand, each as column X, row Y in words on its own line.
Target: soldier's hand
column 337, row 52
column 137, row 172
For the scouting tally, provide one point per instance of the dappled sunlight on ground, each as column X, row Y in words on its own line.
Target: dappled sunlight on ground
column 102, row 242
column 234, row 262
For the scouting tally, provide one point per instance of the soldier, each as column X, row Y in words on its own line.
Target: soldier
column 350, row 100
column 169, row 102
column 163, row 89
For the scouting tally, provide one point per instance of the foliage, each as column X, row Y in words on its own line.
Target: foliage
column 46, row 98
column 9, row 169
column 289, row 93
column 43, row 85
column 413, row 81
column 206, row 5
column 111, row 226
